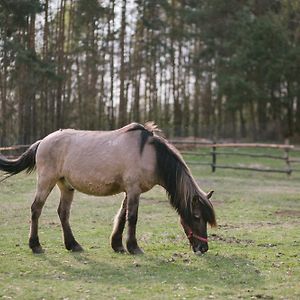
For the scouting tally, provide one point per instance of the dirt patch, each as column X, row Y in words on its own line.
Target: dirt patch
column 230, row 240
column 261, row 296
column 288, row 213
column 228, row 226
column 266, row 245
column 255, row 225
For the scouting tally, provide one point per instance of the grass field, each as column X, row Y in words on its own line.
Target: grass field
column 254, row 253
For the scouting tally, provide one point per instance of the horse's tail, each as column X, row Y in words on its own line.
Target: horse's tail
column 25, row 162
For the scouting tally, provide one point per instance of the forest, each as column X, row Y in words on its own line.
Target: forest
column 205, row 68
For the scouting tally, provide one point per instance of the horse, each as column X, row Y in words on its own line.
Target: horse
column 132, row 160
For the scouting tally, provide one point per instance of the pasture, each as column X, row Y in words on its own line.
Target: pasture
column 254, row 253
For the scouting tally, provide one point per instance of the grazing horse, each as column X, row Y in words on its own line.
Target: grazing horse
column 131, row 159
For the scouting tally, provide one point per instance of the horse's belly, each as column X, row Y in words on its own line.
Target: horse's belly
column 96, row 188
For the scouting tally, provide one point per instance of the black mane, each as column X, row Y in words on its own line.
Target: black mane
column 179, row 182
column 175, row 175
column 145, row 133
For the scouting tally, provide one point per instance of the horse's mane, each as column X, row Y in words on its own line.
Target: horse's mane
column 175, row 175
column 147, row 130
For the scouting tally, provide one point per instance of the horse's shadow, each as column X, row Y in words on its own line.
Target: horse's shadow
column 226, row 271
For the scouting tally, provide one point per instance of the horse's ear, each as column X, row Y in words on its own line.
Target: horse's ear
column 209, row 194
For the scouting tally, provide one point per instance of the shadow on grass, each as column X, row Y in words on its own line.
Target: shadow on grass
column 207, row 270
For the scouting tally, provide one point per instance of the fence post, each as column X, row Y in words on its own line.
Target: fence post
column 214, row 159
column 287, row 160
column 286, row 156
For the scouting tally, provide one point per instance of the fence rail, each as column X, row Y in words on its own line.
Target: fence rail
column 216, row 151
column 14, row 151
column 14, row 148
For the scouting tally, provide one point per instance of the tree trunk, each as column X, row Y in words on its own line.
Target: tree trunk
column 111, row 37
column 60, row 66
column 3, row 90
column 122, row 104
column 196, row 108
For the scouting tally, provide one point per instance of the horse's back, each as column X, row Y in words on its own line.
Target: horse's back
column 98, row 162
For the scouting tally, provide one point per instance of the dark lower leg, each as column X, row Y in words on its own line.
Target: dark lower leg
column 69, row 240
column 119, row 225
column 131, row 242
column 132, row 214
column 44, row 187
column 34, row 242
column 64, row 213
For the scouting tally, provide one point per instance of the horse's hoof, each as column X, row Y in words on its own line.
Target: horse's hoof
column 37, row 250
column 136, row 251
column 77, row 248
column 119, row 249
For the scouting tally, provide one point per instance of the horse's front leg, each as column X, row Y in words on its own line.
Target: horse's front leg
column 119, row 224
column 132, row 216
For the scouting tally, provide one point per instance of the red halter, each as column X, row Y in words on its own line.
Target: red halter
column 190, row 233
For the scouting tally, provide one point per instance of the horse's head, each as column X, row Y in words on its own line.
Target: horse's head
column 196, row 226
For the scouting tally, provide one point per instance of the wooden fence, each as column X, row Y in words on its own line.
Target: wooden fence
column 216, row 150
column 13, row 151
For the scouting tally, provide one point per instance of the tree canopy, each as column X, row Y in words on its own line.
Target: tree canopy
column 208, row 68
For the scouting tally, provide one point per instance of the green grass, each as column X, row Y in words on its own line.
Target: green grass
column 254, row 253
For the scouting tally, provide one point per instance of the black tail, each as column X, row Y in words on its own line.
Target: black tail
column 25, row 162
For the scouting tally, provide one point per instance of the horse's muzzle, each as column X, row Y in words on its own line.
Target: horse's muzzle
column 200, row 248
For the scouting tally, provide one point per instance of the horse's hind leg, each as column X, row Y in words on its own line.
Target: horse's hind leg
column 43, row 190
column 119, row 224
column 63, row 211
